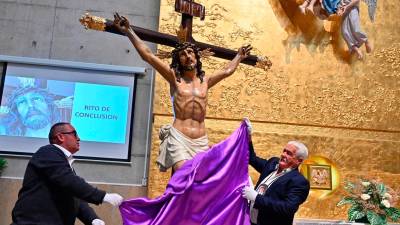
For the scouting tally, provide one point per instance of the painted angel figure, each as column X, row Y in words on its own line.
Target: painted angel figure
column 349, row 10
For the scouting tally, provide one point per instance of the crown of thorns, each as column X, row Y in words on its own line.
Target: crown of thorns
column 23, row 90
column 181, row 46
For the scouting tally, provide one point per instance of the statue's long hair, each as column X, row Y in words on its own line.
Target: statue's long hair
column 176, row 65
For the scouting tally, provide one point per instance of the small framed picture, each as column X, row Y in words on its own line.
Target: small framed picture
column 320, row 177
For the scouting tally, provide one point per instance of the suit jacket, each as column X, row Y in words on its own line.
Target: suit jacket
column 52, row 194
column 282, row 199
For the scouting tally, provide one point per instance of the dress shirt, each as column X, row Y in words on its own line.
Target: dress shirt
column 67, row 154
column 262, row 188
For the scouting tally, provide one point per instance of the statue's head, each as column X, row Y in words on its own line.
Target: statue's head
column 186, row 57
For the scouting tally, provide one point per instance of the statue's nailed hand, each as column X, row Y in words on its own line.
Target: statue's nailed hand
column 121, row 23
column 244, row 51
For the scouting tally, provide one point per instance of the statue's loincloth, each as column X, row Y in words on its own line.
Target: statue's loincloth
column 176, row 147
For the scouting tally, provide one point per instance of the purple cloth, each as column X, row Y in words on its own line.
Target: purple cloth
column 205, row 191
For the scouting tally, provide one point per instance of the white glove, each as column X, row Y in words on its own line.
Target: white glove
column 249, row 193
column 98, row 222
column 113, row 198
column 251, row 183
column 248, row 124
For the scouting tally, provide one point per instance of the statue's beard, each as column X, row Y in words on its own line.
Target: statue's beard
column 188, row 68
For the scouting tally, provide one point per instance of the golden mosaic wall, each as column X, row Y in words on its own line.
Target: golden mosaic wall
column 344, row 109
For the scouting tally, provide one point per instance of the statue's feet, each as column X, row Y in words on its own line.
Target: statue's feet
column 368, row 47
column 358, row 53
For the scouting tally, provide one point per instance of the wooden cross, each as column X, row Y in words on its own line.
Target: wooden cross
column 188, row 9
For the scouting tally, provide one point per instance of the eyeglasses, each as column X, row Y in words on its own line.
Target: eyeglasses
column 70, row 132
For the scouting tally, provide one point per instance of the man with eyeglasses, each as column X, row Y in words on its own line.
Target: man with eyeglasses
column 51, row 192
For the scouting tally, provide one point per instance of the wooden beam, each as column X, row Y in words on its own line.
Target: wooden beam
column 102, row 24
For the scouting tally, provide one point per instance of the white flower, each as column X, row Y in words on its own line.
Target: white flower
column 365, row 197
column 386, row 203
column 365, row 183
column 387, row 196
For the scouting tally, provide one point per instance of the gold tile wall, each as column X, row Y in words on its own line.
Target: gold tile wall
column 344, row 109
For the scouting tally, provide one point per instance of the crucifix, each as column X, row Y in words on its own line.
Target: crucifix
column 188, row 9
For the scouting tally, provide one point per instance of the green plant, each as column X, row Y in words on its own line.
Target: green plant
column 3, row 164
column 372, row 200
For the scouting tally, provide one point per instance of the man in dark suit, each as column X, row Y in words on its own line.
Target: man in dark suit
column 51, row 193
column 280, row 189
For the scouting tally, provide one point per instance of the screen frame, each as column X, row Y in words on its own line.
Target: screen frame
column 59, row 64
column 3, row 79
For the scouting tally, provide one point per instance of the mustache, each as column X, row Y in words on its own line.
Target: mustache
column 188, row 68
column 34, row 112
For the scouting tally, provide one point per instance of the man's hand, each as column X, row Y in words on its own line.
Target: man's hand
column 98, row 222
column 113, row 198
column 244, row 51
column 121, row 23
column 249, row 193
column 249, row 126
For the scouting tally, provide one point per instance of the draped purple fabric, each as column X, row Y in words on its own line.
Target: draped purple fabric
column 206, row 190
